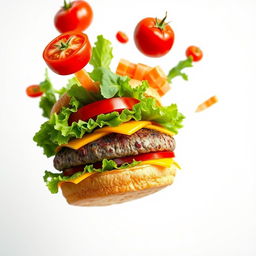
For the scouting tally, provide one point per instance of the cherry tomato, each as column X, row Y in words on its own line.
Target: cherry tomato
column 154, row 37
column 34, row 91
column 122, row 37
column 102, row 107
column 123, row 160
column 68, row 53
column 76, row 15
column 144, row 157
column 194, row 52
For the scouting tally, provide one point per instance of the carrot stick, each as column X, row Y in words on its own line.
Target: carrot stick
column 86, row 81
column 206, row 104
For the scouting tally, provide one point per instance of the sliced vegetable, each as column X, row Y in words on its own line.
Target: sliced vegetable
column 102, row 107
column 141, row 71
column 122, row 37
column 86, row 81
column 126, row 68
column 68, row 53
column 156, row 77
column 206, row 104
column 144, row 157
column 34, row 91
column 164, row 89
column 72, row 16
column 194, row 52
column 154, row 37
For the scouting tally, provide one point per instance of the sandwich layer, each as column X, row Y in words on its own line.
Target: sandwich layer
column 115, row 146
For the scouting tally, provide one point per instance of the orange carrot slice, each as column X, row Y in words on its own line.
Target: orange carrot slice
column 206, row 104
column 86, row 81
column 126, row 68
column 140, row 71
column 164, row 89
column 156, row 77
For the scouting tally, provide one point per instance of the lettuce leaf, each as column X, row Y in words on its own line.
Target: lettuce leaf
column 52, row 179
column 101, row 53
column 176, row 71
column 48, row 99
column 113, row 85
column 56, row 131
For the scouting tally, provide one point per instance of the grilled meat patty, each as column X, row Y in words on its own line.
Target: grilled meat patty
column 113, row 146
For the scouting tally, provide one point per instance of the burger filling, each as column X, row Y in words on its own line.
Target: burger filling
column 114, row 146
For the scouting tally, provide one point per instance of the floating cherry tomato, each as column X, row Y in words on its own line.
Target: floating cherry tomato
column 122, row 37
column 194, row 52
column 34, row 91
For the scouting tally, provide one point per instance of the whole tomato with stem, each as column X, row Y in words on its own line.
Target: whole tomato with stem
column 194, row 52
column 154, row 37
column 76, row 15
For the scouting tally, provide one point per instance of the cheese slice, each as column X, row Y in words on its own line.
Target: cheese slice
column 165, row 162
column 127, row 128
column 159, row 129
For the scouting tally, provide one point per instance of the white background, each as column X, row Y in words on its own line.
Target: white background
column 210, row 209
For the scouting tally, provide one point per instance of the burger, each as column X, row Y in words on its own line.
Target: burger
column 111, row 139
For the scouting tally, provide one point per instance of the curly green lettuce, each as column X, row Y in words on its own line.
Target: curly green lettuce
column 57, row 131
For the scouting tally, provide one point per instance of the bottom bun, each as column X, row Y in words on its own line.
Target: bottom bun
column 118, row 186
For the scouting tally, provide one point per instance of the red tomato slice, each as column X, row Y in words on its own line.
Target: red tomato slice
column 144, row 157
column 123, row 160
column 102, row 107
column 34, row 91
column 68, row 53
column 122, row 37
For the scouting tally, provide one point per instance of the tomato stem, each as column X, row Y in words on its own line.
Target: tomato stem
column 162, row 23
column 67, row 5
column 63, row 46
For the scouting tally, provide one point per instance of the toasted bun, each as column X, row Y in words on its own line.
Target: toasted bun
column 118, row 186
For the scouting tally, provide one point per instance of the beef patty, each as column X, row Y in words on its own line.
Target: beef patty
column 113, row 146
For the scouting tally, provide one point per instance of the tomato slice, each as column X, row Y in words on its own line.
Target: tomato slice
column 144, row 157
column 102, row 107
column 122, row 37
column 34, row 91
column 123, row 160
column 68, row 53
